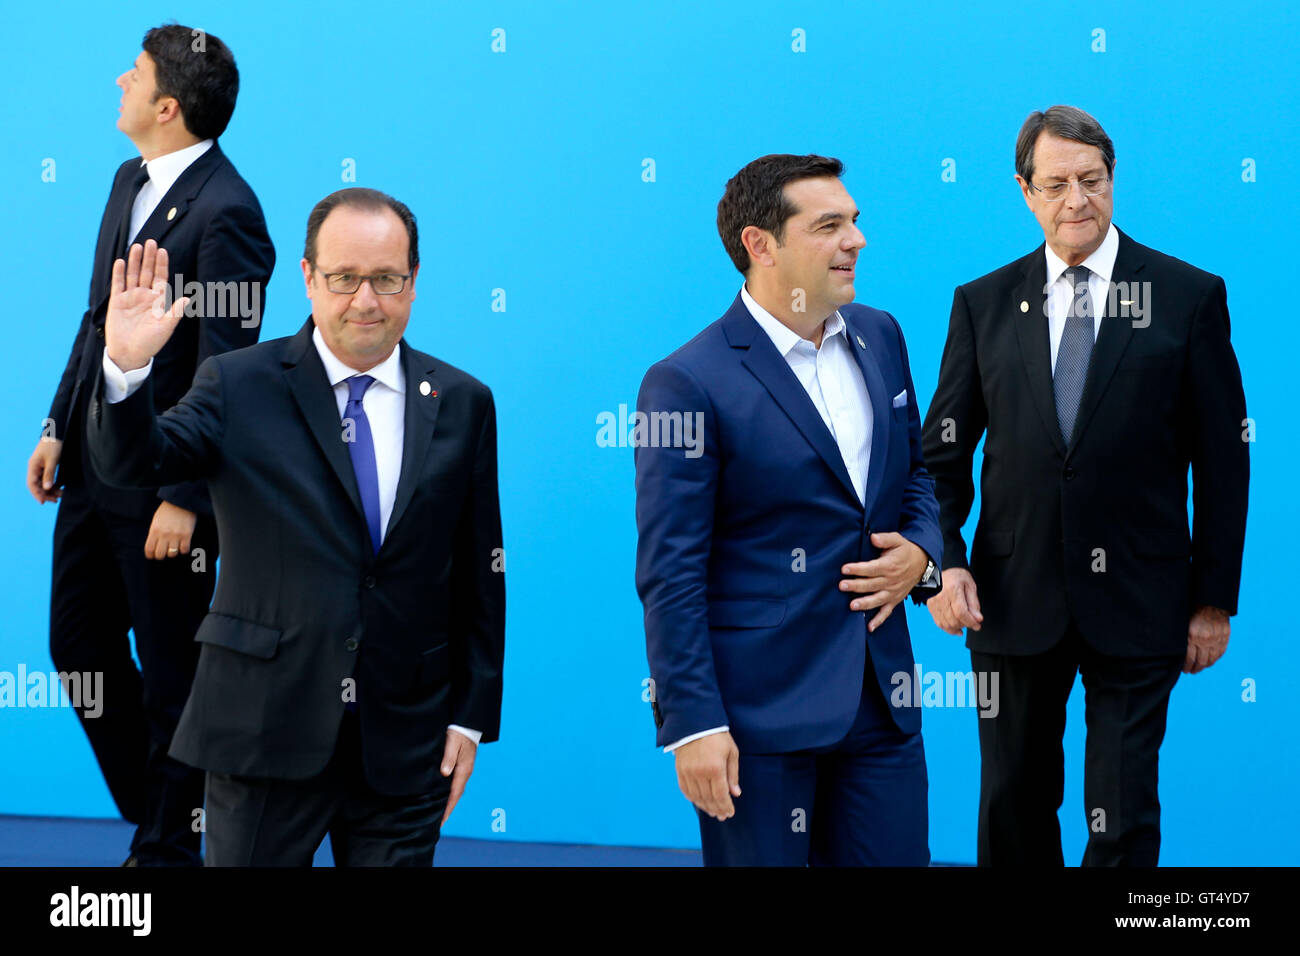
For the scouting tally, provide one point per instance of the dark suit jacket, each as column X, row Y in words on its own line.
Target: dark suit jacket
column 1157, row 399
column 302, row 601
column 217, row 234
column 740, row 549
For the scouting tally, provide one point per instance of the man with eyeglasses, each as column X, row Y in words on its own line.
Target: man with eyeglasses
column 1097, row 371
column 352, row 659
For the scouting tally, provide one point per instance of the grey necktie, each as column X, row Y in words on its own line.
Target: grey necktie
column 1074, row 352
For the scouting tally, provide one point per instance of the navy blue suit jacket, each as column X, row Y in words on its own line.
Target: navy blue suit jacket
column 741, row 541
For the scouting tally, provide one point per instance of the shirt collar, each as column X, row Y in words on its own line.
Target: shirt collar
column 166, row 169
column 1101, row 263
column 783, row 337
column 388, row 372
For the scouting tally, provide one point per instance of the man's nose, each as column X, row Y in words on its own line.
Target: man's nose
column 856, row 240
column 364, row 297
column 121, row 81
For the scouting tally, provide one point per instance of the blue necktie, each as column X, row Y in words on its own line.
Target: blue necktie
column 362, row 449
column 1074, row 352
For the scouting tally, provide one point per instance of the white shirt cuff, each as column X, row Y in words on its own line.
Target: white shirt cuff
column 474, row 735
column 119, row 385
column 686, row 740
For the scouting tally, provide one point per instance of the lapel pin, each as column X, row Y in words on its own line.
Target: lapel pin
column 425, row 388
column 1024, row 306
column 861, row 344
column 171, row 214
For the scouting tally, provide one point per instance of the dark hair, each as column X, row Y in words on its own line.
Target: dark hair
column 755, row 196
column 199, row 71
column 372, row 200
column 1067, row 122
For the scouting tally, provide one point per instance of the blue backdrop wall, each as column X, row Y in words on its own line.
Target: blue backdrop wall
column 527, row 168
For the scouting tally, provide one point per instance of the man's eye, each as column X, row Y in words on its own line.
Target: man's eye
column 1091, row 183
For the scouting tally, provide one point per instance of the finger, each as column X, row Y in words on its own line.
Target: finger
column 173, row 545
column 733, row 771
column 720, row 794
column 458, row 783
column 865, row 585
column 856, row 569
column 47, row 472
column 160, row 273
column 1190, row 659
column 881, row 617
column 133, row 266
column 184, row 542
column 972, row 599
column 177, row 311
column 147, row 264
column 886, row 540
column 151, row 543
column 962, row 611
column 118, row 282
column 872, row 601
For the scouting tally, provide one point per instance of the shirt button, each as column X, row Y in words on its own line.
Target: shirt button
column 369, row 582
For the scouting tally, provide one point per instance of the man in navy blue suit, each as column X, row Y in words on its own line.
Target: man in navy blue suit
column 783, row 512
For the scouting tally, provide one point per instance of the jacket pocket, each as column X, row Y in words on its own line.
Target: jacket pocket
column 433, row 665
column 1161, row 544
column 236, row 634
column 755, row 612
column 998, row 544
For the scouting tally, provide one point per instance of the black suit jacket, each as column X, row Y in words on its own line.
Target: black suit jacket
column 302, row 602
column 216, row 234
column 1098, row 530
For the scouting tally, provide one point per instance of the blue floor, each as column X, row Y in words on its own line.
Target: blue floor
column 55, row 841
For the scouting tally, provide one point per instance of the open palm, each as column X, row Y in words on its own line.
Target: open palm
column 138, row 323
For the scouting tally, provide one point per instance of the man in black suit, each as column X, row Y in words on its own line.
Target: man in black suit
column 1101, row 370
column 352, row 659
column 122, row 559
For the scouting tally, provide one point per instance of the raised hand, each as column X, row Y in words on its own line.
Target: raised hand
column 138, row 324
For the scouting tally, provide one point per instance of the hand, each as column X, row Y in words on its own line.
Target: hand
column 457, row 755
column 957, row 605
column 885, row 580
column 708, row 771
column 1207, row 638
column 169, row 532
column 136, row 325
column 40, row 470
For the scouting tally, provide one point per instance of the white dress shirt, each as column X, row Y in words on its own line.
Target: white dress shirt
column 1059, row 293
column 833, row 380
column 163, row 173
column 384, row 403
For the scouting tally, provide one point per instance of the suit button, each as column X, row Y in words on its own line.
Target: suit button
column 99, row 330
column 1069, row 474
column 369, row 582
column 351, row 643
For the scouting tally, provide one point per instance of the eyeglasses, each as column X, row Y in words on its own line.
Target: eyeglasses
column 1055, row 192
column 346, row 283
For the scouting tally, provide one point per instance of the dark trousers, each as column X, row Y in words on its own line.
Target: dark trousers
column 1022, row 761
column 860, row 802
column 253, row 821
column 103, row 587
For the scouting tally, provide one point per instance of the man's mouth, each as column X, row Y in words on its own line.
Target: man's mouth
column 846, row 268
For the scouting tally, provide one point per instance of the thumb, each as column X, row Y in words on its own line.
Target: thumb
column 47, row 473
column 733, row 772
column 972, row 600
column 449, row 754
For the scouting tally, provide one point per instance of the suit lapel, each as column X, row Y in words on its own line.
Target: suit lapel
column 881, row 412
column 1113, row 338
column 307, row 381
column 421, row 417
column 175, row 203
column 767, row 365
column 1029, row 307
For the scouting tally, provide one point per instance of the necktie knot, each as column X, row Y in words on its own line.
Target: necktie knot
column 357, row 386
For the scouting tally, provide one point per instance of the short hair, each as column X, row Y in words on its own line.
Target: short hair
column 358, row 197
column 755, row 196
column 1067, row 122
column 202, row 77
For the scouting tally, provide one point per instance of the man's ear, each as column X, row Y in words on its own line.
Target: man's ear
column 306, row 275
column 167, row 109
column 758, row 243
column 415, row 271
column 1024, row 189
